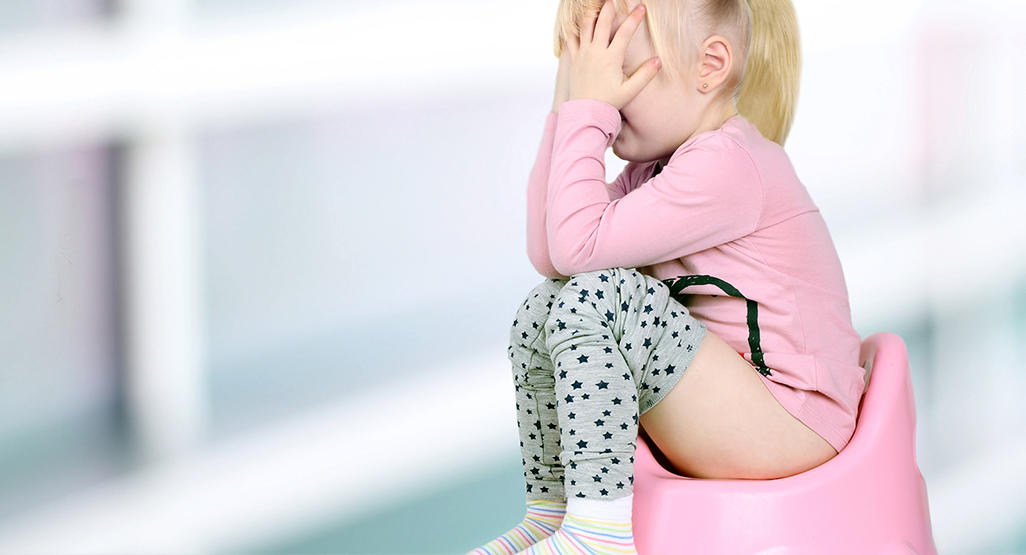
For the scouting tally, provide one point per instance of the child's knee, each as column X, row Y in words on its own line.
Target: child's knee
column 544, row 291
column 533, row 312
column 539, row 299
column 586, row 303
column 599, row 289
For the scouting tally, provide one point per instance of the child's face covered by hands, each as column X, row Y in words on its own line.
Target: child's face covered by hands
column 596, row 61
column 664, row 114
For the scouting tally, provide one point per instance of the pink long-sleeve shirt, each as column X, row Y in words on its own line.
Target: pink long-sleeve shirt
column 729, row 223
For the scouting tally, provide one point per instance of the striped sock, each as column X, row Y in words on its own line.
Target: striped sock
column 542, row 520
column 592, row 526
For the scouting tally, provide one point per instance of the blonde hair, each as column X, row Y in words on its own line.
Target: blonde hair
column 764, row 34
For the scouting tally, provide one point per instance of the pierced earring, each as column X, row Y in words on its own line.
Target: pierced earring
column 705, row 85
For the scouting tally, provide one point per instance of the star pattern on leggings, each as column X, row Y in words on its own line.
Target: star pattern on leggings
column 598, row 300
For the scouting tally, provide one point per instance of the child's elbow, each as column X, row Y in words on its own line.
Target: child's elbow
column 566, row 256
column 564, row 264
column 571, row 262
column 545, row 267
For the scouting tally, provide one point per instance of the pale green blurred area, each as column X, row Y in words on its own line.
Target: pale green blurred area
column 359, row 233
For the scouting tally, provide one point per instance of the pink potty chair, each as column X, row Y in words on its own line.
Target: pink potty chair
column 870, row 499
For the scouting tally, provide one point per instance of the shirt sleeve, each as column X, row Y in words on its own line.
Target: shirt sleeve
column 707, row 195
column 537, row 190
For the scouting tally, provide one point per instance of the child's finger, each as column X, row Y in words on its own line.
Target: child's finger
column 628, row 28
column 603, row 27
column 643, row 76
column 588, row 25
column 572, row 45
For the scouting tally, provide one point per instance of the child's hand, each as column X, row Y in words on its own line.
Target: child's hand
column 596, row 65
column 562, row 81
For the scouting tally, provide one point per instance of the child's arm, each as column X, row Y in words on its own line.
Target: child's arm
column 710, row 195
column 537, row 248
column 537, row 191
column 537, row 188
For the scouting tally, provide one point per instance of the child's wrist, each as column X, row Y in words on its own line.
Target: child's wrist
column 559, row 101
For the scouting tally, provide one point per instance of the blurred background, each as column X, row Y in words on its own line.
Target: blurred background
column 259, row 260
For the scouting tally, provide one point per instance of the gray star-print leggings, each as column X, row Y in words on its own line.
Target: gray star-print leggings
column 589, row 356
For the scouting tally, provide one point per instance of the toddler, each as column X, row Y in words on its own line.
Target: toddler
column 708, row 202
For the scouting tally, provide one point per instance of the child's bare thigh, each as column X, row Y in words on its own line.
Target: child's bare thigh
column 720, row 421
